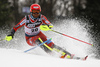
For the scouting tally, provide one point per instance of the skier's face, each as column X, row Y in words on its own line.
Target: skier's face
column 35, row 13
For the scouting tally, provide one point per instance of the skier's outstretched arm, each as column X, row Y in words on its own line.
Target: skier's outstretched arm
column 46, row 24
column 19, row 25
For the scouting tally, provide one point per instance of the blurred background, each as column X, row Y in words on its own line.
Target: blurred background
column 12, row 11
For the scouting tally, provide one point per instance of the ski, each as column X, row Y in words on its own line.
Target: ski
column 38, row 45
column 74, row 57
column 85, row 58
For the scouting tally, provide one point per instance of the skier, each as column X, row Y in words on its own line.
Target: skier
column 33, row 34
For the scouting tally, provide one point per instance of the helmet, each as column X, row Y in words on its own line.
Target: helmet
column 35, row 7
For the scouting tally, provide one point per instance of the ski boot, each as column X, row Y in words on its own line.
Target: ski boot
column 73, row 57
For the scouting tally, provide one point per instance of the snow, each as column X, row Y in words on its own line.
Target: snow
column 17, row 58
column 12, row 53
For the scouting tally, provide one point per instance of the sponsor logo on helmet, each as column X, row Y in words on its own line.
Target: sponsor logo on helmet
column 35, row 7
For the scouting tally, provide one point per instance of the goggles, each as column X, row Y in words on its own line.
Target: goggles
column 35, row 11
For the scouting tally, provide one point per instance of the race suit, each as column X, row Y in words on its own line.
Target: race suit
column 32, row 30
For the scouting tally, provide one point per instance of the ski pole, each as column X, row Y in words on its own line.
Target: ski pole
column 2, row 39
column 38, row 45
column 46, row 45
column 71, row 37
column 51, row 49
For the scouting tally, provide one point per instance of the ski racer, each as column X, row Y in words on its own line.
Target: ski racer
column 33, row 33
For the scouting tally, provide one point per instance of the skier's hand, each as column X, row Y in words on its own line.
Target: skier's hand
column 45, row 27
column 50, row 26
column 9, row 37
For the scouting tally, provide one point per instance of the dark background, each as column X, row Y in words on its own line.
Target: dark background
column 11, row 11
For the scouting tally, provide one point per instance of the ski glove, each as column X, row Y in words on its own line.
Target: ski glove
column 10, row 36
column 45, row 27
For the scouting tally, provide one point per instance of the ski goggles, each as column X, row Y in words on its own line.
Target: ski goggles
column 35, row 11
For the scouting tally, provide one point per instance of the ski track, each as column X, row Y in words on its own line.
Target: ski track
column 16, row 58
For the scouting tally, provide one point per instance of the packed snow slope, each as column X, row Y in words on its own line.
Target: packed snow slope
column 15, row 58
column 12, row 52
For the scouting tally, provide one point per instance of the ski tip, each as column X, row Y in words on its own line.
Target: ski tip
column 85, row 58
column 25, row 51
